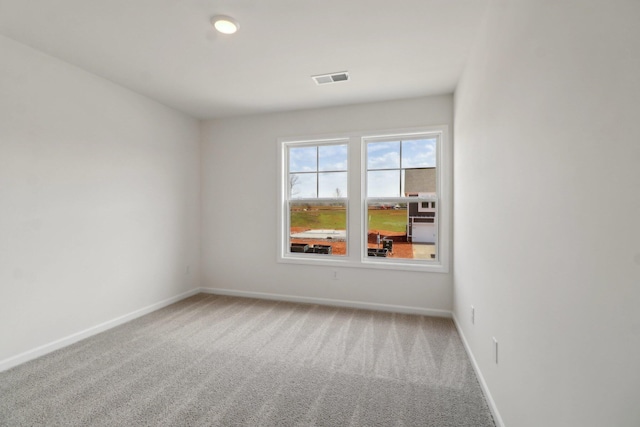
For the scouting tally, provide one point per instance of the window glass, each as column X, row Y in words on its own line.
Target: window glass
column 303, row 159
column 332, row 184
column 401, row 168
column 398, row 171
column 317, row 227
column 419, row 153
column 332, row 158
column 383, row 155
column 303, row 185
column 399, row 232
column 383, row 183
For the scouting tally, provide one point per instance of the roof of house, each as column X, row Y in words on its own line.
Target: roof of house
column 420, row 180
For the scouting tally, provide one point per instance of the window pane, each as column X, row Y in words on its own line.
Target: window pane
column 332, row 157
column 318, row 228
column 303, row 159
column 383, row 183
column 419, row 181
column 303, row 185
column 383, row 155
column 332, row 184
column 419, row 153
column 400, row 231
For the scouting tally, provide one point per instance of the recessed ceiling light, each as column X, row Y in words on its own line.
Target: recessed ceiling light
column 225, row 24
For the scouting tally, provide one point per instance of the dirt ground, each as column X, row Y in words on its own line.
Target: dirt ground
column 401, row 248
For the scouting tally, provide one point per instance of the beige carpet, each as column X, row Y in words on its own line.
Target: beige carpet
column 225, row 361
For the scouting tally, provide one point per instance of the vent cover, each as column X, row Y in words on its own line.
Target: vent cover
column 322, row 79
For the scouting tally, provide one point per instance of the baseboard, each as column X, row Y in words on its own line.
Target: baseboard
column 483, row 384
column 63, row 342
column 330, row 302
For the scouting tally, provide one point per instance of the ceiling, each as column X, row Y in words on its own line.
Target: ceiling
column 168, row 50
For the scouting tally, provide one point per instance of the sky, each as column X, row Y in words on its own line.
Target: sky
column 320, row 171
column 329, row 164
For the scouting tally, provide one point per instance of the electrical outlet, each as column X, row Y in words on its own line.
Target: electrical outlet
column 187, row 270
column 473, row 315
column 495, row 350
column 334, row 275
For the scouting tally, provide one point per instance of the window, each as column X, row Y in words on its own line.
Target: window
column 317, row 198
column 402, row 172
column 366, row 200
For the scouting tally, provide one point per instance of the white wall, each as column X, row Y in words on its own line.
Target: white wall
column 239, row 207
column 99, row 200
column 547, row 210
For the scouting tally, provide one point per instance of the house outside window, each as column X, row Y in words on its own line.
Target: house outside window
column 379, row 200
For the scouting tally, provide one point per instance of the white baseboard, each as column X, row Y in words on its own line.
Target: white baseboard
column 330, row 302
column 63, row 342
column 483, row 384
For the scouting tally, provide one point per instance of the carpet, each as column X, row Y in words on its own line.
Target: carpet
column 214, row 360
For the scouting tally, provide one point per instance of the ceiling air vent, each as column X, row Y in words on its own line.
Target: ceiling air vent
column 322, row 79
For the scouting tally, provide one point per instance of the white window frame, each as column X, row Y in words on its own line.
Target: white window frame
column 284, row 253
column 356, row 202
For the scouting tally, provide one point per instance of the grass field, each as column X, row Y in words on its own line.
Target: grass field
column 389, row 220
column 320, row 218
column 335, row 218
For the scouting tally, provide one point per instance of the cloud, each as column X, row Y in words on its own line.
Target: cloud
column 318, row 158
column 383, row 155
column 419, row 153
column 416, row 153
column 332, row 157
column 302, row 159
column 383, row 183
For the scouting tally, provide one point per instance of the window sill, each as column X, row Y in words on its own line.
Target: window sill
column 334, row 261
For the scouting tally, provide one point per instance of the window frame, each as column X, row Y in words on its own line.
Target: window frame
column 284, row 252
column 356, row 201
column 366, row 200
